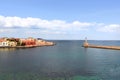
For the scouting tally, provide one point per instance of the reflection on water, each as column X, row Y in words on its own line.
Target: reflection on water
column 6, row 49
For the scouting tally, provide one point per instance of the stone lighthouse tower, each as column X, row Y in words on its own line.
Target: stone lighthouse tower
column 85, row 44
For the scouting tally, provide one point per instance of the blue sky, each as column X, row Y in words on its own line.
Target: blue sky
column 60, row 19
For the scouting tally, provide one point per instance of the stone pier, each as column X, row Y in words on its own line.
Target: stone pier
column 87, row 45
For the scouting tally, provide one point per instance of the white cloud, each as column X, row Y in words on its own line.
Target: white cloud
column 1, row 30
column 53, row 26
column 6, row 30
column 110, row 28
column 29, row 22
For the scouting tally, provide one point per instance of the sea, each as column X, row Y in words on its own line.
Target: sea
column 67, row 60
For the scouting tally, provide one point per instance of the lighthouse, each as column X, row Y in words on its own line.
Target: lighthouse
column 85, row 43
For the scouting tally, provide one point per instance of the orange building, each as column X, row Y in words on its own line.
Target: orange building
column 28, row 42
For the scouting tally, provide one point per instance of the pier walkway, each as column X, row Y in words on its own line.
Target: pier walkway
column 87, row 45
column 102, row 47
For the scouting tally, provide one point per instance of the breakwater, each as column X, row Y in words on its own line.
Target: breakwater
column 103, row 47
column 87, row 45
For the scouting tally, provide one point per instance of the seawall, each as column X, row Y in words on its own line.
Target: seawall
column 102, row 47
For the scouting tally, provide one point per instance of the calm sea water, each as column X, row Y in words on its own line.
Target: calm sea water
column 67, row 60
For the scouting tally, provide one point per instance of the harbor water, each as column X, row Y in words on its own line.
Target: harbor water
column 67, row 60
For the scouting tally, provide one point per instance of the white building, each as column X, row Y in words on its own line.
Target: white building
column 4, row 43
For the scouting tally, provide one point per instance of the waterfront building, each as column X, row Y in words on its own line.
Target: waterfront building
column 12, row 43
column 28, row 41
column 4, row 43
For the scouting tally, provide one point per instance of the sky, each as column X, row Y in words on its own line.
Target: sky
column 60, row 19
